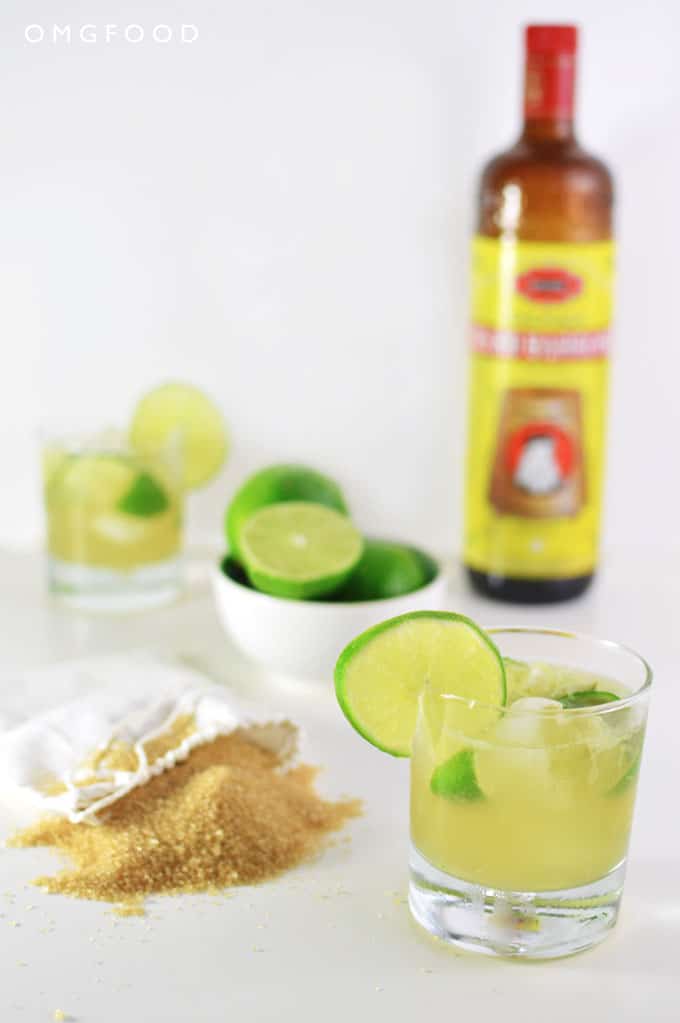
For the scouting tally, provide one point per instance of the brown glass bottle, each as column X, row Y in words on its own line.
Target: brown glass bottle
column 546, row 188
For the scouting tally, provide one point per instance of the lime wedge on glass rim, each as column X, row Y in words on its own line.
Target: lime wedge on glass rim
column 380, row 675
column 299, row 549
column 176, row 410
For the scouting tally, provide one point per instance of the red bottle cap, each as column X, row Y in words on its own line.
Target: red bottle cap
column 550, row 72
column 551, row 38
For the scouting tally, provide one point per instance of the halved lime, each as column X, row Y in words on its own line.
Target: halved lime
column 273, row 485
column 299, row 549
column 379, row 677
column 185, row 411
column 386, row 569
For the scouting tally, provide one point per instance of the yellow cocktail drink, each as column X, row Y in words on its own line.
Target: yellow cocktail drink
column 114, row 521
column 525, row 749
column 536, row 797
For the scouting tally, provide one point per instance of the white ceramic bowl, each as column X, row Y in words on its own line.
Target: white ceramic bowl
column 302, row 638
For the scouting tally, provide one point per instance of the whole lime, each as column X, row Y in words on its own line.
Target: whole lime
column 387, row 569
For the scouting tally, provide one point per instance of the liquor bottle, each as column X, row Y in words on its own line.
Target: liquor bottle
column 542, row 275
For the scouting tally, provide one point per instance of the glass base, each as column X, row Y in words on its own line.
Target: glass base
column 531, row 925
column 89, row 588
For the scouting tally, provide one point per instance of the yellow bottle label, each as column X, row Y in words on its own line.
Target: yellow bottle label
column 537, row 401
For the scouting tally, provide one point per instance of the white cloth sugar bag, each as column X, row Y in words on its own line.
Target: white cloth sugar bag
column 46, row 758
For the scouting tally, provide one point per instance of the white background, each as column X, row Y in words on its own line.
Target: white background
column 280, row 212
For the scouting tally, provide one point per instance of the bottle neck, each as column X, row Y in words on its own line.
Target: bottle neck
column 549, row 82
column 548, row 130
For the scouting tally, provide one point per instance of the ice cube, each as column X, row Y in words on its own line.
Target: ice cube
column 524, row 723
column 516, row 759
column 119, row 529
column 531, row 704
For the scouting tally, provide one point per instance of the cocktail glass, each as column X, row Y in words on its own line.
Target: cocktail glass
column 114, row 521
column 520, row 817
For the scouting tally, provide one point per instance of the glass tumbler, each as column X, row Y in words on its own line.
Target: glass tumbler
column 521, row 814
column 114, row 521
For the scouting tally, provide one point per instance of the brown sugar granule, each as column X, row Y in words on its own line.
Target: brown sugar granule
column 121, row 756
column 51, row 786
column 131, row 907
column 228, row 815
column 183, row 726
column 116, row 756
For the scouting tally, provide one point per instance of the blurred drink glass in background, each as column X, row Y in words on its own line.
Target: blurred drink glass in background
column 114, row 520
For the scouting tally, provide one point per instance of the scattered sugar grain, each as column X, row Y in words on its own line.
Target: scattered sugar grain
column 227, row 815
column 131, row 907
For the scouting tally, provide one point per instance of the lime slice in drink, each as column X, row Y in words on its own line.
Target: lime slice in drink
column 299, row 550
column 590, row 698
column 628, row 779
column 93, row 481
column 379, row 677
column 181, row 410
column 145, row 497
column 273, row 485
column 386, row 570
column 456, row 778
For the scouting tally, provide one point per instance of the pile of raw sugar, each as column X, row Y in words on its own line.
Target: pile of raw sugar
column 229, row 815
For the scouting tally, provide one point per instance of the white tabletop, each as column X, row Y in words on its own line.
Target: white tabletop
column 334, row 940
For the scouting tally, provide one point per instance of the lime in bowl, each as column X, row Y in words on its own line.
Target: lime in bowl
column 301, row 579
column 525, row 749
column 300, row 639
